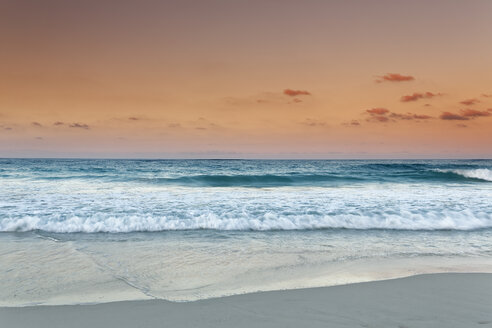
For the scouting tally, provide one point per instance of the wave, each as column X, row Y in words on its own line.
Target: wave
column 250, row 180
column 294, row 179
column 475, row 174
column 429, row 220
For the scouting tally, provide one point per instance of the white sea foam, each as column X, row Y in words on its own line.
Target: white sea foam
column 481, row 174
column 84, row 206
column 465, row 220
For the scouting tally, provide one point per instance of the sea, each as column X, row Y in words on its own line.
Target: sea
column 76, row 231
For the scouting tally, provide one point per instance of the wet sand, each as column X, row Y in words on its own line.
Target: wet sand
column 431, row 300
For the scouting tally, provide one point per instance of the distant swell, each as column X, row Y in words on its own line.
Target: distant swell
column 296, row 179
column 250, row 180
column 465, row 220
column 437, row 175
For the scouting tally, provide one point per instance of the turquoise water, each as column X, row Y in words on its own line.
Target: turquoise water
column 129, row 195
column 77, row 231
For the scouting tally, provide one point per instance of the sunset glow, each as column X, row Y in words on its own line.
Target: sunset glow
column 251, row 79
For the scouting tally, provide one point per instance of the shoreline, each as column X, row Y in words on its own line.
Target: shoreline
column 426, row 300
column 91, row 271
column 109, row 288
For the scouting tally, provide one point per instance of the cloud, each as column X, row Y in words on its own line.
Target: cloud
column 39, row 138
column 204, row 124
column 351, row 123
column 296, row 100
column 378, row 114
column 174, row 125
column 379, row 119
column 294, row 93
column 394, row 77
column 37, row 124
column 472, row 113
column 461, row 125
column 314, row 123
column 377, row 111
column 6, row 128
column 384, row 115
column 419, row 95
column 465, row 114
column 58, row 123
column 133, row 118
column 452, row 117
column 421, row 117
column 79, row 126
column 410, row 116
column 260, row 99
column 486, row 95
column 469, row 102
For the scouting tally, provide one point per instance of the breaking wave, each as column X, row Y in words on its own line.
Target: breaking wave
column 475, row 174
column 129, row 196
column 430, row 220
column 295, row 179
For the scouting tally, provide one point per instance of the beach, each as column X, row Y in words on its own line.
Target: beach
column 246, row 164
column 226, row 243
column 433, row 300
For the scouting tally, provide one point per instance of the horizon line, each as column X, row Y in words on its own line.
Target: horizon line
column 247, row 159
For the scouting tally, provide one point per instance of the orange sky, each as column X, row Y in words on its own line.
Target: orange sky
column 265, row 79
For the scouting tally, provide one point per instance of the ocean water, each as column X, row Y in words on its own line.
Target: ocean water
column 78, row 231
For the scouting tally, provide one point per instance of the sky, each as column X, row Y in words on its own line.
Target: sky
column 246, row 79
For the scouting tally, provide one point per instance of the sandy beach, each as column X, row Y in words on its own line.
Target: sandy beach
column 433, row 300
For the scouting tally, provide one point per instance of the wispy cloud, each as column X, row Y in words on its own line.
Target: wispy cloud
column 295, row 93
column 271, row 98
column 394, row 77
column 6, row 128
column 464, row 115
column 58, row 123
column 36, row 124
column 377, row 111
column 469, row 102
column 80, row 126
column 353, row 123
column 314, row 123
column 379, row 118
column 409, row 116
column 419, row 95
column 204, row 124
column 378, row 114
column 472, row 113
column 385, row 115
column 448, row 116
